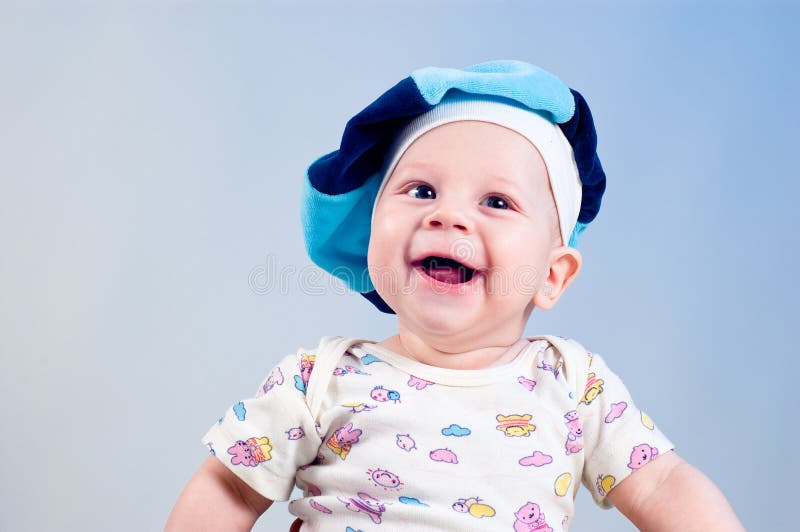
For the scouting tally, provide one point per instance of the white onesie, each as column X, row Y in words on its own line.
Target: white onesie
column 379, row 441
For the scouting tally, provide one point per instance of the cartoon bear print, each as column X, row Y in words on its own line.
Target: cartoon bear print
column 642, row 454
column 574, row 443
column 530, row 518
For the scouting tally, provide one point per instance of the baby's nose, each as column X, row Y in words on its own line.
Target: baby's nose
column 449, row 216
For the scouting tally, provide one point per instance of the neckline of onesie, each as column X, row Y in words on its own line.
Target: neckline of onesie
column 447, row 376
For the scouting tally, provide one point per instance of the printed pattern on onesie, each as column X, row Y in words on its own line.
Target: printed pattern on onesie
column 619, row 438
column 398, row 443
column 265, row 439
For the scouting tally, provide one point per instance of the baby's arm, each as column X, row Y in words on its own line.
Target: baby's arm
column 669, row 494
column 216, row 499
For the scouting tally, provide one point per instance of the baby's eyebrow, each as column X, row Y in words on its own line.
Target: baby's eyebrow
column 420, row 165
column 496, row 178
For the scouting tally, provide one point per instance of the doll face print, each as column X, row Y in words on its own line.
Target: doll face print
column 462, row 231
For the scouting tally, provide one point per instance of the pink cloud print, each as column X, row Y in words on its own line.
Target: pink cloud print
column 616, row 411
column 537, row 459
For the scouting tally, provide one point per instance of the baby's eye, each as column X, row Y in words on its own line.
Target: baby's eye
column 425, row 192
column 498, row 202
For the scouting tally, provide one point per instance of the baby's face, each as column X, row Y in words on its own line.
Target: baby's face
column 477, row 193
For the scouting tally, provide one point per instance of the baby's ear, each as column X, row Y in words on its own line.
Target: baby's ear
column 565, row 263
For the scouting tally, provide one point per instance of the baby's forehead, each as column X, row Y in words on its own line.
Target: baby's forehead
column 476, row 152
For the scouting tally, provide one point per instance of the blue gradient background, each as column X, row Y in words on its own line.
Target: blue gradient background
column 151, row 156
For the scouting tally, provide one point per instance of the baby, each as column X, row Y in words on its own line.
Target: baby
column 455, row 202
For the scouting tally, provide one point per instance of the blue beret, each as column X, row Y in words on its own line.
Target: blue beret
column 340, row 187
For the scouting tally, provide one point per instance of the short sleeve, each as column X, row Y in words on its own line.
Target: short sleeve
column 619, row 438
column 264, row 440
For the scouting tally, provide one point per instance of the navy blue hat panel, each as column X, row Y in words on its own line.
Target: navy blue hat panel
column 579, row 131
column 366, row 139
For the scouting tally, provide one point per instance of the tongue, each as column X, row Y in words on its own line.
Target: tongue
column 445, row 275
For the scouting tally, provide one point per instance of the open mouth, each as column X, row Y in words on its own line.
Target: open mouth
column 445, row 270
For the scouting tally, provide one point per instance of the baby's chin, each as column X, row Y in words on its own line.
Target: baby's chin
column 456, row 323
